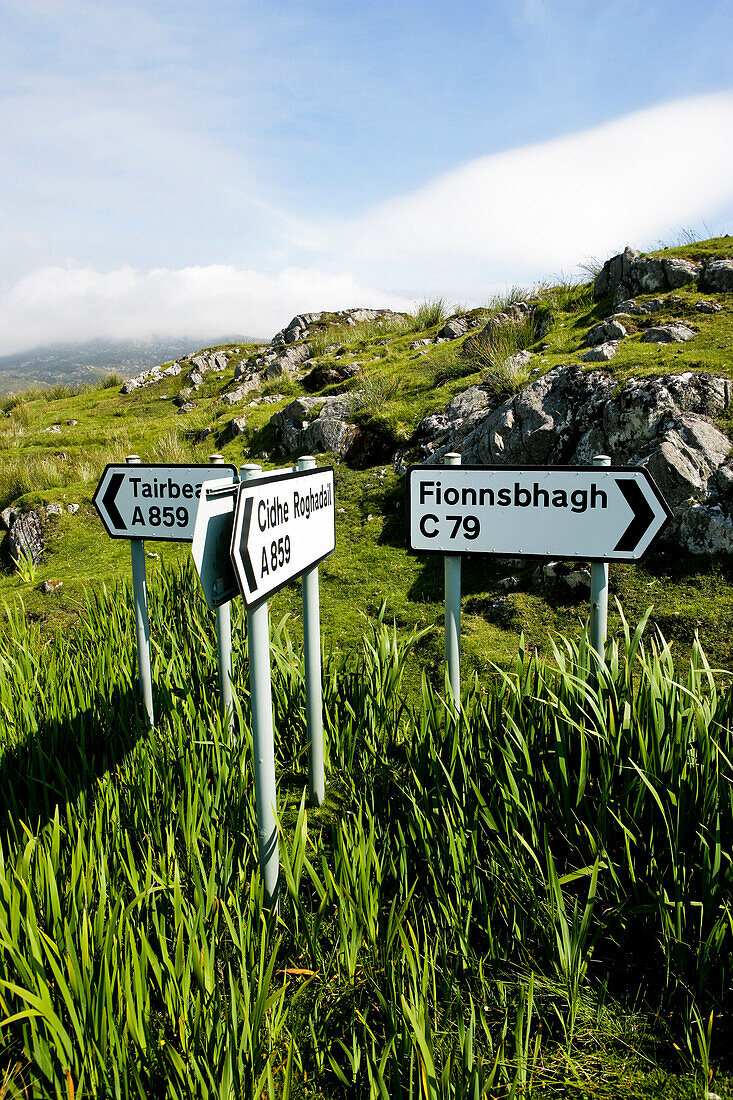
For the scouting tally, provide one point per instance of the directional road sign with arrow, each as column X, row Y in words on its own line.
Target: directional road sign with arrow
column 212, row 539
column 152, row 502
column 284, row 525
column 608, row 513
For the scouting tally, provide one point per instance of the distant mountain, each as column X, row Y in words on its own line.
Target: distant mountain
column 73, row 363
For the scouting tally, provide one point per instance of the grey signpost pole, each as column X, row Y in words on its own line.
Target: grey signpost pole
column 313, row 696
column 599, row 591
column 224, row 645
column 453, row 613
column 263, row 741
column 142, row 623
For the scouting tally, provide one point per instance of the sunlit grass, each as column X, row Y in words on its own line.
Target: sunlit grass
column 490, row 904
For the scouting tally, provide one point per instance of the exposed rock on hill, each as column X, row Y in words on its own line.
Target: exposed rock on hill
column 605, row 332
column 601, row 353
column 200, row 364
column 674, row 333
column 300, row 326
column 25, row 534
column 718, row 275
column 315, row 424
column 150, row 377
column 568, row 416
column 630, row 273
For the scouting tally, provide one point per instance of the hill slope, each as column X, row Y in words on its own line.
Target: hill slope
column 73, row 364
column 369, row 390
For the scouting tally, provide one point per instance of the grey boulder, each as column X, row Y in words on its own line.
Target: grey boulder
column 718, row 275
column 568, row 416
column 602, row 353
column 26, row 537
column 675, row 333
column 680, row 272
column 605, row 332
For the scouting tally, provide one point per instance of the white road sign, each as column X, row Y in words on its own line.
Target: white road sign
column 212, row 538
column 284, row 524
column 152, row 502
column 606, row 513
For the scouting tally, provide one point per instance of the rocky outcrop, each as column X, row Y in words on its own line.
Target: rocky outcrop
column 25, row 534
column 314, row 424
column 273, row 362
column 454, row 328
column 323, row 376
column 602, row 353
column 679, row 272
column 718, row 275
column 568, row 416
column 300, row 326
column 630, row 273
column 606, row 332
column 630, row 306
column 200, row 364
column 317, row 424
column 150, row 377
column 674, row 333
column 233, row 397
column 203, row 363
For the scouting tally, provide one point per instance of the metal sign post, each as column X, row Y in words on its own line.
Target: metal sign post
column 609, row 513
column 452, row 572
column 142, row 622
column 212, row 536
column 263, row 740
column 284, row 526
column 139, row 502
column 224, row 647
column 599, row 513
column 313, row 687
column 153, row 501
column 599, row 591
column 285, row 523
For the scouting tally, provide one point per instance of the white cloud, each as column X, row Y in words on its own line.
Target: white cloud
column 509, row 217
column 534, row 210
column 60, row 304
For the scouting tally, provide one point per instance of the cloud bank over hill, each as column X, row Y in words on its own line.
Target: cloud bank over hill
column 75, row 304
column 532, row 211
column 511, row 217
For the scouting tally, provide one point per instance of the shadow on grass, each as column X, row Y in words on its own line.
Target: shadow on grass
column 65, row 758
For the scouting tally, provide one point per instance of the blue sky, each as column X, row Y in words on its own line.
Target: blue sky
column 179, row 167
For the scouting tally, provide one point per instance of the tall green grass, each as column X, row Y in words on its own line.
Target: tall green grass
column 353, row 337
column 430, row 312
column 483, row 907
column 492, row 352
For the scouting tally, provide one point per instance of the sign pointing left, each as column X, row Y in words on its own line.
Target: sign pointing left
column 152, row 502
column 108, row 500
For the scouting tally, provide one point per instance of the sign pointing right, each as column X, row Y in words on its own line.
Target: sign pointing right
column 643, row 515
column 610, row 513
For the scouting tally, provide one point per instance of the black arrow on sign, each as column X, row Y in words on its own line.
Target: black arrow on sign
column 108, row 500
column 643, row 514
column 246, row 559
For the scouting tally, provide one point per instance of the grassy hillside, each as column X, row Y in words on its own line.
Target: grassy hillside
column 532, row 899
column 400, row 386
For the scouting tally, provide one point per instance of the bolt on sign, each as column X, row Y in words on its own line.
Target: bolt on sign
column 284, row 524
column 609, row 513
column 152, row 502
